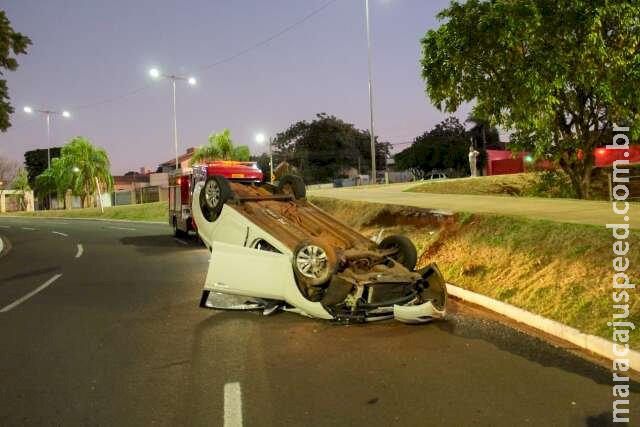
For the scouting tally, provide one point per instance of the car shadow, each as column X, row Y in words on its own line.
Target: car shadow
column 161, row 244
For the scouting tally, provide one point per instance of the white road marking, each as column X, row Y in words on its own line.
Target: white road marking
column 123, row 228
column 28, row 228
column 180, row 241
column 232, row 405
column 60, row 234
column 80, row 251
column 30, row 294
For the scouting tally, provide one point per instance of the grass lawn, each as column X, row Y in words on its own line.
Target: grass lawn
column 522, row 184
column 144, row 212
column 509, row 185
column 560, row 271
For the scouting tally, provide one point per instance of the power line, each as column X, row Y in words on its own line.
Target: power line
column 113, row 99
column 270, row 38
column 217, row 63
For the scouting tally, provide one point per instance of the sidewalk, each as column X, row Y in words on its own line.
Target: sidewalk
column 560, row 210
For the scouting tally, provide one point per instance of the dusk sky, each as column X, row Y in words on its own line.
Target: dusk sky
column 88, row 51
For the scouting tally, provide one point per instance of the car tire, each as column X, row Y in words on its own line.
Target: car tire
column 214, row 194
column 313, row 263
column 292, row 185
column 406, row 253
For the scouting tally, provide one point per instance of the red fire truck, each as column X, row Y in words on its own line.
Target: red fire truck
column 182, row 182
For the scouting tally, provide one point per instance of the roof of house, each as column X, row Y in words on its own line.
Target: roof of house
column 186, row 156
column 128, row 179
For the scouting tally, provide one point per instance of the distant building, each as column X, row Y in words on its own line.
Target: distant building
column 130, row 181
column 183, row 161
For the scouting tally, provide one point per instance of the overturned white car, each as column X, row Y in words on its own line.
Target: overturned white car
column 272, row 246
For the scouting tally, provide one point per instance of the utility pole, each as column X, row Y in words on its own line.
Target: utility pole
column 371, row 131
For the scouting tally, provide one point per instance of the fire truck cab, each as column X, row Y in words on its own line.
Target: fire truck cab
column 182, row 183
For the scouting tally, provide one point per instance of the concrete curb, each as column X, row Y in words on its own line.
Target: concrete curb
column 64, row 218
column 594, row 344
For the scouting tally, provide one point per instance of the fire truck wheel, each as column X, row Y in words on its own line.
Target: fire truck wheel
column 214, row 195
column 176, row 231
column 293, row 185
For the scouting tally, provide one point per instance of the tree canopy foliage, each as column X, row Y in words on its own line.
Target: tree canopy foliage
column 77, row 169
column 445, row 147
column 8, row 170
column 221, row 147
column 35, row 162
column 11, row 43
column 558, row 73
column 327, row 147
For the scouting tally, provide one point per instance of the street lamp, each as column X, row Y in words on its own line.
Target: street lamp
column 260, row 139
column 371, row 133
column 48, row 113
column 156, row 74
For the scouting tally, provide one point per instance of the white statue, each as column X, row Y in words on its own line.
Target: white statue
column 473, row 161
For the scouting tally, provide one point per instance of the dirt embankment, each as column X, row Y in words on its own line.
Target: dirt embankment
column 560, row 271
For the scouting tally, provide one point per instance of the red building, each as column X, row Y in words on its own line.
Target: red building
column 501, row 162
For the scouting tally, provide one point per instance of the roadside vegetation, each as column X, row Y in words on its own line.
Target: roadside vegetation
column 556, row 74
column 143, row 212
column 550, row 184
column 220, row 147
column 556, row 270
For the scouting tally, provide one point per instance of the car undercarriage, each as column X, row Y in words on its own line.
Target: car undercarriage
column 269, row 242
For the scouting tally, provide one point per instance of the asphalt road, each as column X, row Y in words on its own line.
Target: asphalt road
column 118, row 339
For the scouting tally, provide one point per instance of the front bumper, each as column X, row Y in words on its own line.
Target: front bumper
column 420, row 313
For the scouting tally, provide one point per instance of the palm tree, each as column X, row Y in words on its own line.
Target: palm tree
column 220, row 147
column 54, row 180
column 86, row 165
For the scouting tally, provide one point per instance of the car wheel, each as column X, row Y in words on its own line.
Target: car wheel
column 405, row 252
column 215, row 193
column 313, row 264
column 292, row 185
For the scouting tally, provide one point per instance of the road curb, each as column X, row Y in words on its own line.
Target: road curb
column 594, row 344
column 64, row 218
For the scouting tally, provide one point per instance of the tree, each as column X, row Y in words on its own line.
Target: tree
column 483, row 134
column 55, row 179
column 560, row 74
column 36, row 162
column 11, row 43
column 85, row 164
column 8, row 170
column 220, row 147
column 78, row 168
column 21, row 185
column 445, row 147
column 327, row 147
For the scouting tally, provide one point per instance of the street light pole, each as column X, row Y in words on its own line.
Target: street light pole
column 371, row 132
column 270, row 161
column 175, row 121
column 155, row 73
column 47, row 114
